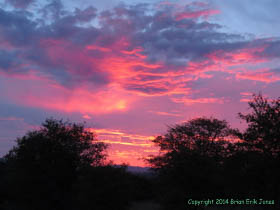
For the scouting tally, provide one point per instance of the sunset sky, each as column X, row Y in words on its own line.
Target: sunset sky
column 131, row 68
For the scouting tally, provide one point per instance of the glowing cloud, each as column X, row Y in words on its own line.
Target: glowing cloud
column 260, row 76
column 125, row 146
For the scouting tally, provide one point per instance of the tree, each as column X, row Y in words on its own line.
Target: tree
column 44, row 164
column 263, row 132
column 190, row 160
column 59, row 141
column 261, row 141
column 203, row 136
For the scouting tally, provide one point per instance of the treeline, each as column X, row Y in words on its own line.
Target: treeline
column 206, row 159
column 62, row 166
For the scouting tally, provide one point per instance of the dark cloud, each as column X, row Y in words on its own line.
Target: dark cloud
column 7, row 59
column 144, row 78
column 17, row 28
column 149, row 90
column 20, row 3
column 272, row 49
column 166, row 39
column 69, row 47
column 85, row 15
column 20, row 31
column 276, row 71
column 53, row 10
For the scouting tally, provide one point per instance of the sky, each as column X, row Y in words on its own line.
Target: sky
column 130, row 69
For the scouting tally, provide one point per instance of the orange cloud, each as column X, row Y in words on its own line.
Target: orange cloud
column 133, row 158
column 126, row 147
column 117, row 134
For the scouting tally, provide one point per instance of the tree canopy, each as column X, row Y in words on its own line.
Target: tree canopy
column 61, row 165
column 56, row 142
column 42, row 168
column 190, row 160
column 202, row 136
column 197, row 159
column 263, row 132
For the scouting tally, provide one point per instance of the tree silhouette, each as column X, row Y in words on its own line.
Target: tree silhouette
column 45, row 163
column 261, row 147
column 61, row 165
column 263, row 132
column 57, row 141
column 200, row 136
column 190, row 161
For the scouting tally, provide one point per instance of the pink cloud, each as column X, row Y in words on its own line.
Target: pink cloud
column 189, row 101
column 196, row 14
column 231, row 62
column 246, row 94
column 261, row 76
column 238, row 57
column 86, row 117
column 167, row 114
column 57, row 97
